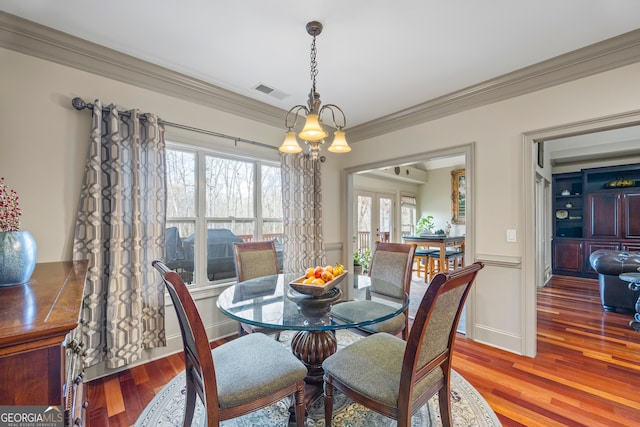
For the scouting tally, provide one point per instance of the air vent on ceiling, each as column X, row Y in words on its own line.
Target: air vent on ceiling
column 267, row 90
column 264, row 89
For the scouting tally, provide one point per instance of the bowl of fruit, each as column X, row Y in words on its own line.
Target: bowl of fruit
column 319, row 280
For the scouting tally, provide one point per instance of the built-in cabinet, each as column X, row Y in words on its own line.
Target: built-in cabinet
column 597, row 208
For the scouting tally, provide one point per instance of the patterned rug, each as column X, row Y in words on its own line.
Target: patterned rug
column 468, row 407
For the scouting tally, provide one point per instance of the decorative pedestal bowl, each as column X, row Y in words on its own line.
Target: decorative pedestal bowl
column 314, row 306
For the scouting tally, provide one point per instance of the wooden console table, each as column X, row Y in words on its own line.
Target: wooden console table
column 40, row 362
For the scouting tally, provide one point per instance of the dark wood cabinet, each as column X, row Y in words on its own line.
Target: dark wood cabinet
column 631, row 214
column 603, row 215
column 568, row 256
column 40, row 354
column 598, row 208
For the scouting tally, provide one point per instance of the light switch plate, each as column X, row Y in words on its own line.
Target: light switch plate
column 511, row 236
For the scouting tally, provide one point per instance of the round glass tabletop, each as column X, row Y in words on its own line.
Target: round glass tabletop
column 270, row 302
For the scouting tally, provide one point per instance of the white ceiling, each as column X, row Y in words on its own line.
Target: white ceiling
column 374, row 57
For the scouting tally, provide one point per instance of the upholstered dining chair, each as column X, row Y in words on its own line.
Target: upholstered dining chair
column 255, row 259
column 238, row 377
column 393, row 263
column 395, row 377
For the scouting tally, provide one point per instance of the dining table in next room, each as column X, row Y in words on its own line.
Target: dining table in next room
column 441, row 242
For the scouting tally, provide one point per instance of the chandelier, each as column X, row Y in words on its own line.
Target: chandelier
column 313, row 134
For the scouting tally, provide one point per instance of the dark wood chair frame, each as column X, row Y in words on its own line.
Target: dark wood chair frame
column 412, row 372
column 199, row 367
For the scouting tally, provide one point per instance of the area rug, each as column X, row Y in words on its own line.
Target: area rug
column 468, row 407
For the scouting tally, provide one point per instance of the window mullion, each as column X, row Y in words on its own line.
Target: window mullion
column 201, row 220
column 257, row 194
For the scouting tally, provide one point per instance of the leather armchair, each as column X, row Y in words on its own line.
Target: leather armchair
column 615, row 293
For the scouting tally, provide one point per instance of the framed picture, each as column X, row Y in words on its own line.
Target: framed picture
column 458, row 196
column 541, row 154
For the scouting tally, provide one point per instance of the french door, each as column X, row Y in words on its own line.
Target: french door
column 373, row 219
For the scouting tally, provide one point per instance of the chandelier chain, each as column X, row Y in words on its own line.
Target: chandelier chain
column 314, row 64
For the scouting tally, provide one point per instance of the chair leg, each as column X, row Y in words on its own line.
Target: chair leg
column 328, row 402
column 444, row 400
column 300, row 411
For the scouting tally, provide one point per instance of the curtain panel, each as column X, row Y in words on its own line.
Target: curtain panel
column 120, row 229
column 302, row 209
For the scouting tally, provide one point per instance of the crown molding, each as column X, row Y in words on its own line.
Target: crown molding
column 33, row 39
column 596, row 58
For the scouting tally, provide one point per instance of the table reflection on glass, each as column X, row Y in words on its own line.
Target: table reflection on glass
column 270, row 302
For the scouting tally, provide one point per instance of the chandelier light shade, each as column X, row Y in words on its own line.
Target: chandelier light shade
column 313, row 133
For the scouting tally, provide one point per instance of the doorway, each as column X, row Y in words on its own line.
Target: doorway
column 374, row 219
column 531, row 262
column 350, row 225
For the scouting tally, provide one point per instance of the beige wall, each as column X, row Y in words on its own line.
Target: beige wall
column 497, row 132
column 43, row 147
column 434, row 199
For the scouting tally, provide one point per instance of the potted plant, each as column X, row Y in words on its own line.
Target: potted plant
column 361, row 261
column 17, row 248
column 425, row 225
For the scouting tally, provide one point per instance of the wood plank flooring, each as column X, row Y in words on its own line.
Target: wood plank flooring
column 586, row 372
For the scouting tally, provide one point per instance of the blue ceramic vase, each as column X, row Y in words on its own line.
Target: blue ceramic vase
column 17, row 257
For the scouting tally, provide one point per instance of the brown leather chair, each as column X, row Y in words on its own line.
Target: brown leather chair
column 396, row 378
column 615, row 293
column 234, row 379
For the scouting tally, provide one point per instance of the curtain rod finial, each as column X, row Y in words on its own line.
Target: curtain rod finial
column 78, row 103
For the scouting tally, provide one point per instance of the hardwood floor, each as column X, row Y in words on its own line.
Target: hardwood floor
column 586, row 372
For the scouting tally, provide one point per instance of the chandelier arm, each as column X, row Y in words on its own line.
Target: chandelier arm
column 294, row 110
column 333, row 108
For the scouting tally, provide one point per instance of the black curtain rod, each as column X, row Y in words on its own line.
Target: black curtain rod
column 79, row 104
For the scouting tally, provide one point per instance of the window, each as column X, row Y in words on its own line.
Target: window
column 214, row 200
column 408, row 215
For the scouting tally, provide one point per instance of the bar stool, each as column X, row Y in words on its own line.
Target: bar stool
column 421, row 259
column 453, row 261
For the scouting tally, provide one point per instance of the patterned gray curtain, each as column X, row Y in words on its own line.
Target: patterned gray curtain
column 302, row 200
column 120, row 230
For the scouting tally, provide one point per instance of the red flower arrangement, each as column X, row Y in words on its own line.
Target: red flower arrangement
column 9, row 208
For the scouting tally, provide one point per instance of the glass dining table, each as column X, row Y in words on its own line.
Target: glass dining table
column 269, row 302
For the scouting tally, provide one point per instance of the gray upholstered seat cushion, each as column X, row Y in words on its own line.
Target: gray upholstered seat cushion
column 360, row 311
column 251, row 367
column 372, row 366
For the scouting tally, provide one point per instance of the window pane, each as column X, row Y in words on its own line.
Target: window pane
column 271, row 193
column 229, row 188
column 244, row 229
column 180, row 245
column 181, row 188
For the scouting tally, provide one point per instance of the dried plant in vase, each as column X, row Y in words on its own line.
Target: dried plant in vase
column 17, row 247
